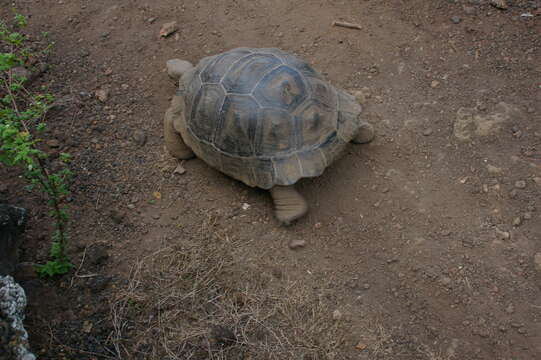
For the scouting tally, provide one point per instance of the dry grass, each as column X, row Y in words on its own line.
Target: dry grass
column 194, row 301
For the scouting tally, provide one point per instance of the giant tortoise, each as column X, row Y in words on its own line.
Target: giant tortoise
column 264, row 117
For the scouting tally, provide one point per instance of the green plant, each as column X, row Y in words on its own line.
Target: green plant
column 22, row 115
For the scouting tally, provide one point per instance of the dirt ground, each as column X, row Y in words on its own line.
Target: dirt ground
column 419, row 245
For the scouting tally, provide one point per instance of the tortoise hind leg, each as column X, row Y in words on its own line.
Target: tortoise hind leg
column 365, row 134
column 289, row 205
column 173, row 140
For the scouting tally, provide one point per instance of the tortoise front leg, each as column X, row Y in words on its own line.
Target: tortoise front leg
column 365, row 134
column 289, row 205
column 173, row 140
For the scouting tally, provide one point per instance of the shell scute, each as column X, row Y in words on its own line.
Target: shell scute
column 237, row 126
column 244, row 74
column 283, row 88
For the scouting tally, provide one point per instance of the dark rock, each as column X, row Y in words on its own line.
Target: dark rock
column 97, row 283
column 22, row 73
column 97, row 254
column 223, row 336
column 139, row 137
column 117, row 216
column 12, row 223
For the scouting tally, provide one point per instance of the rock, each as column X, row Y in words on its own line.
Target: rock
column 168, row 29
column 297, row 244
column 537, row 261
column 445, row 280
column 53, row 143
column 97, row 283
column 427, row 132
column 97, row 254
column 493, row 169
column 470, row 10
column 517, row 221
column 470, row 123
column 117, row 216
column 337, row 315
column 179, row 170
column 503, row 235
column 456, row 19
column 527, row 215
column 499, row 4
column 361, row 346
column 537, row 180
column 520, row 184
column 223, row 336
column 177, row 67
column 362, row 95
column 139, row 137
column 102, row 95
column 14, row 338
column 25, row 271
column 22, row 73
column 12, row 223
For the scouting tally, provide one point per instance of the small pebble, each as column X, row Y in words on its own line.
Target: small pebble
column 117, row 216
column 168, row 29
column 337, row 315
column 517, row 221
column 53, row 143
column 297, row 244
column 537, row 261
column 102, row 95
column 361, row 346
column 520, row 184
column 179, row 170
column 456, row 19
column 434, row 84
column 427, row 132
column 527, row 215
column 503, row 235
column 139, row 137
column 500, row 4
column 493, row 169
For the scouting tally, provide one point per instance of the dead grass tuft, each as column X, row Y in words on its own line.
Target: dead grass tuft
column 194, row 301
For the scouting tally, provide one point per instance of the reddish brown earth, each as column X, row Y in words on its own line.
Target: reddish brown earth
column 423, row 240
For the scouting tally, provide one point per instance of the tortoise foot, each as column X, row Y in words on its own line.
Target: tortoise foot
column 173, row 140
column 289, row 205
column 365, row 135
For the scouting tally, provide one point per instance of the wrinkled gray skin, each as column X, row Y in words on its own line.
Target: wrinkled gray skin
column 289, row 204
column 13, row 336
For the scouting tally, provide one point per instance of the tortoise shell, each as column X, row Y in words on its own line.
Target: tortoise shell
column 265, row 117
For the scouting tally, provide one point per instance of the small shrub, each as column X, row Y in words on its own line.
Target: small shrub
column 22, row 115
